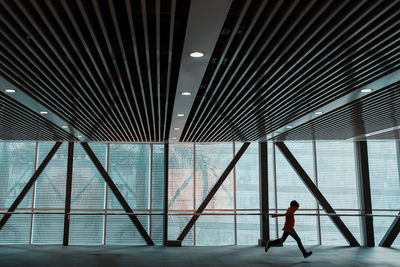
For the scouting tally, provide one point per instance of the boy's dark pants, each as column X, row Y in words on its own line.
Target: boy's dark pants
column 283, row 238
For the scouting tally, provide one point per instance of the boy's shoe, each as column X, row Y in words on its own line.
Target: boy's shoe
column 266, row 246
column 308, row 254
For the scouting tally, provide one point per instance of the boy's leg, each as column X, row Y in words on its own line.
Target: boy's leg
column 279, row 240
column 298, row 240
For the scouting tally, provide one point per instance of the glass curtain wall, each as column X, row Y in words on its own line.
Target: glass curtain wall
column 193, row 171
column 136, row 169
column 383, row 161
column 138, row 172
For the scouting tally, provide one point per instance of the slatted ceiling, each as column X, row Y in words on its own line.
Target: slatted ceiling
column 369, row 114
column 20, row 123
column 109, row 68
column 395, row 134
column 306, row 54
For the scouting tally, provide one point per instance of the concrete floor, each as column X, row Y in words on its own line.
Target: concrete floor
column 56, row 255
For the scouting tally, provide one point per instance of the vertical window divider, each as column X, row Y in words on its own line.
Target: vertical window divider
column 150, row 189
column 234, row 195
column 275, row 188
column 194, row 191
column 316, row 184
column 33, row 193
column 106, row 194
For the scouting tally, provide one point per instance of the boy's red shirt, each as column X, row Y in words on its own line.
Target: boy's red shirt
column 289, row 221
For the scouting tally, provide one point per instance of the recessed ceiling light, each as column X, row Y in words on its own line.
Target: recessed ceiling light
column 177, row 129
column 43, row 112
column 197, row 54
column 318, row 112
column 64, row 126
column 174, row 138
column 79, row 136
column 9, row 91
column 186, row 93
column 366, row 90
column 367, row 135
column 289, row 127
column 180, row 115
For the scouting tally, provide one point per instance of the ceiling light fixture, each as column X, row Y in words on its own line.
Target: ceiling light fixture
column 79, row 136
column 186, row 93
column 289, row 127
column 174, row 138
column 319, row 113
column 366, row 90
column 64, row 126
column 9, row 91
column 177, row 129
column 43, row 112
column 180, row 115
column 197, row 54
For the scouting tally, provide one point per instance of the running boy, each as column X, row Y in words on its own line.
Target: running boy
column 288, row 229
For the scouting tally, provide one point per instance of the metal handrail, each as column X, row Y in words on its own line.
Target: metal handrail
column 192, row 214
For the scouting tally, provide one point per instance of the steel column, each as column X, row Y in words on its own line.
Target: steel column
column 165, row 216
column 264, row 219
column 117, row 193
column 215, row 188
column 68, row 192
column 317, row 194
column 366, row 222
column 29, row 184
column 394, row 228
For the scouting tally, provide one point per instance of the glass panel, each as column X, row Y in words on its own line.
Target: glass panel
column 211, row 162
column 88, row 194
column 17, row 161
column 48, row 228
column 337, row 182
column 50, row 194
column 180, row 189
column 273, row 227
column 130, row 171
column 157, row 193
column 86, row 229
column 16, row 230
column 385, row 185
column 290, row 187
column 247, row 195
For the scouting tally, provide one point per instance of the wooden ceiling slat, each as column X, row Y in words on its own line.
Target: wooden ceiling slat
column 288, row 12
column 158, row 43
column 199, row 113
column 253, row 131
column 66, row 83
column 146, row 125
column 138, row 135
column 96, row 99
column 126, row 126
column 148, row 66
column 373, row 109
column 101, row 89
column 169, row 69
column 257, row 108
column 23, row 121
